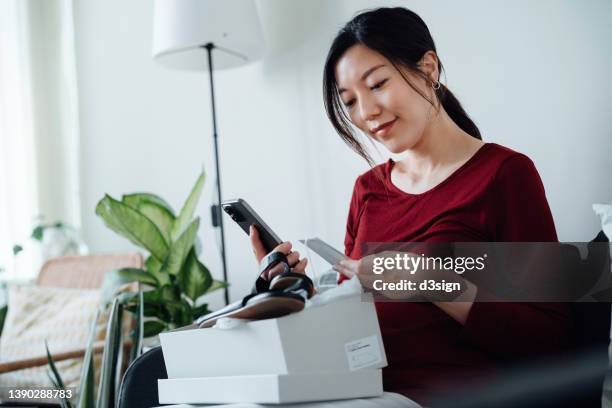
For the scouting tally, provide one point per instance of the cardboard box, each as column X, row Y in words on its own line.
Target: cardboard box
column 271, row 389
column 342, row 336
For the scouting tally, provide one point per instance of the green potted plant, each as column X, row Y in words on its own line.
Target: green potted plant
column 172, row 285
column 177, row 279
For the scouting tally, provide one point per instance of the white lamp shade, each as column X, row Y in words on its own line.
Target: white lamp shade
column 182, row 27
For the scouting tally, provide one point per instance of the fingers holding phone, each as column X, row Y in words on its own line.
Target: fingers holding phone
column 258, row 247
column 300, row 266
column 293, row 257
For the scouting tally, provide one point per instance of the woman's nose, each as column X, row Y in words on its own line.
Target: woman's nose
column 368, row 108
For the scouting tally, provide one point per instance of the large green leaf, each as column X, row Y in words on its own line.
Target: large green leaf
column 156, row 303
column 134, row 226
column 156, row 310
column 155, row 209
column 188, row 209
column 175, row 307
column 114, row 279
column 153, row 328
column 187, row 315
column 167, row 293
column 216, row 285
column 153, row 296
column 195, row 278
column 183, row 313
column 180, row 248
column 112, row 345
column 134, row 200
column 172, row 302
column 162, row 218
column 154, row 266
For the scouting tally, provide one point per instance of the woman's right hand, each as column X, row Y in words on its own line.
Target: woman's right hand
column 293, row 257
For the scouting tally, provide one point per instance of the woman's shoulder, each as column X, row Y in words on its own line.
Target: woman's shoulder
column 494, row 171
column 510, row 176
column 519, row 199
column 493, row 162
column 500, row 155
column 503, row 160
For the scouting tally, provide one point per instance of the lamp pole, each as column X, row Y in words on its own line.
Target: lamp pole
column 217, row 209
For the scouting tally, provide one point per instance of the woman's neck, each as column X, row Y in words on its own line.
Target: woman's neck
column 443, row 148
column 442, row 144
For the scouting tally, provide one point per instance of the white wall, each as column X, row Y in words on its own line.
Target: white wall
column 531, row 74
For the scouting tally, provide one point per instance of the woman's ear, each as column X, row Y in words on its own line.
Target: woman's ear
column 429, row 66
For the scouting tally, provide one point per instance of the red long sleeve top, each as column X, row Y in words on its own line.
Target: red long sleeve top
column 497, row 195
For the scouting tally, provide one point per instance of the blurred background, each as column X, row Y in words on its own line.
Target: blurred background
column 85, row 110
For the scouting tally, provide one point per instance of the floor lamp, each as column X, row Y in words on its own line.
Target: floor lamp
column 186, row 35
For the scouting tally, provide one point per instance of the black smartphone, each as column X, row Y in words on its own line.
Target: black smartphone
column 242, row 213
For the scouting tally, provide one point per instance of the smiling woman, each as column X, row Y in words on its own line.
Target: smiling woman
column 382, row 77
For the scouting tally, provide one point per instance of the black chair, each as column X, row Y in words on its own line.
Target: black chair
column 592, row 325
column 139, row 386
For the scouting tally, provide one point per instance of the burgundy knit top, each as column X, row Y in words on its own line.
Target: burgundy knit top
column 497, row 195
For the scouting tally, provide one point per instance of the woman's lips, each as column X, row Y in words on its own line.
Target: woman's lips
column 384, row 129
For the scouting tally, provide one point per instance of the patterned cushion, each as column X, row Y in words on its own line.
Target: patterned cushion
column 62, row 317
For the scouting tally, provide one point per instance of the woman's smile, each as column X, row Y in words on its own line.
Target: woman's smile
column 382, row 131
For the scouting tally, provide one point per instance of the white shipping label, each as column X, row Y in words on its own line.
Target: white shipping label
column 363, row 353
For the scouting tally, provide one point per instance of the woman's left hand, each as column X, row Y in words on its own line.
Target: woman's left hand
column 458, row 309
column 363, row 269
column 397, row 283
column 348, row 267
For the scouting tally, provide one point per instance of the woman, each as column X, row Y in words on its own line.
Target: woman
column 382, row 76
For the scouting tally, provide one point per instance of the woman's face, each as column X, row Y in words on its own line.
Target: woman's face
column 379, row 101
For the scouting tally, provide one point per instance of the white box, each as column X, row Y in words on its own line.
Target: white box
column 342, row 336
column 271, row 389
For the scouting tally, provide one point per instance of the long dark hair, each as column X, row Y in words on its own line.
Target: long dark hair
column 402, row 37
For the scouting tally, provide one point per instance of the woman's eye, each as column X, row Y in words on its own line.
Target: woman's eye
column 378, row 85
column 349, row 103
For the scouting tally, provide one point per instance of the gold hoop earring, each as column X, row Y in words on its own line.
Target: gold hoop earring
column 436, row 85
